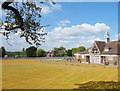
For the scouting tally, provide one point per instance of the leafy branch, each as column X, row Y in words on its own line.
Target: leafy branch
column 24, row 18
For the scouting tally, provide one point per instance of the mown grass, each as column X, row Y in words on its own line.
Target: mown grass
column 33, row 74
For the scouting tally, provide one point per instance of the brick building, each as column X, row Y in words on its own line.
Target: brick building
column 101, row 52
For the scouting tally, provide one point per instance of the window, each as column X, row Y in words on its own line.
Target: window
column 110, row 57
column 82, row 56
column 107, row 49
column 94, row 50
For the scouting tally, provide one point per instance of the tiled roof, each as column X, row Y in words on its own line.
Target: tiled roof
column 113, row 46
column 101, row 45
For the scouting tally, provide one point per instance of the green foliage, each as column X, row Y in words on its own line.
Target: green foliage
column 30, row 13
column 56, row 55
column 31, row 51
column 18, row 53
column 23, row 52
column 79, row 49
column 69, row 53
column 60, row 48
column 74, row 50
column 41, row 53
column 60, row 52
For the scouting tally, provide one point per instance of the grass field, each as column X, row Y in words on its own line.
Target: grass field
column 33, row 74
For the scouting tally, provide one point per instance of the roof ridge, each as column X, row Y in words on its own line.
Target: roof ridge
column 100, row 41
column 113, row 41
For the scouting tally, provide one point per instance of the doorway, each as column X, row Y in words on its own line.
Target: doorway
column 103, row 59
column 87, row 58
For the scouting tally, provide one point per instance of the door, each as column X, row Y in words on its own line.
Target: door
column 103, row 59
column 87, row 58
column 95, row 59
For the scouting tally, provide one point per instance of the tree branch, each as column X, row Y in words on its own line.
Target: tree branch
column 20, row 19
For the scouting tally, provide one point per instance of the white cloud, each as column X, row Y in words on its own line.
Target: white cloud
column 46, row 9
column 63, row 41
column 69, row 37
column 49, row 9
column 17, row 43
column 2, row 12
column 88, row 41
column 75, row 32
column 63, row 23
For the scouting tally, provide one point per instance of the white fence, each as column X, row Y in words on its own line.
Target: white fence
column 46, row 58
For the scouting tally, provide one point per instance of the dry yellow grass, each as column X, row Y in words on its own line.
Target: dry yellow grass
column 33, row 74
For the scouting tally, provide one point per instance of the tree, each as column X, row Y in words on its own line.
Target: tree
column 69, row 53
column 61, row 54
column 18, row 52
column 2, row 52
column 23, row 52
column 24, row 18
column 31, row 51
column 81, row 49
column 74, row 50
column 60, row 48
column 41, row 53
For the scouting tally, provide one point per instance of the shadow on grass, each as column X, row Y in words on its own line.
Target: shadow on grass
column 103, row 85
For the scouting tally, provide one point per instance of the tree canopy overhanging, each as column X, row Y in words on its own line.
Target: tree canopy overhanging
column 24, row 18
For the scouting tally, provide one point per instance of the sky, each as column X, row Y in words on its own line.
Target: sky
column 72, row 24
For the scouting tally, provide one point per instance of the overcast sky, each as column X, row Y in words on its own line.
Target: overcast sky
column 73, row 24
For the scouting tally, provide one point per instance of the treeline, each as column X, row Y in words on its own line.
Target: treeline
column 61, row 51
column 29, row 52
column 33, row 52
column 3, row 52
column 57, row 52
column 79, row 49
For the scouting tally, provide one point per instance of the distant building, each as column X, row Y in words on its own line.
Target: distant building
column 100, row 53
column 54, row 52
column 50, row 53
column 13, row 54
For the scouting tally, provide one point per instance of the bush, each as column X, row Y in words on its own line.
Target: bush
column 41, row 53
